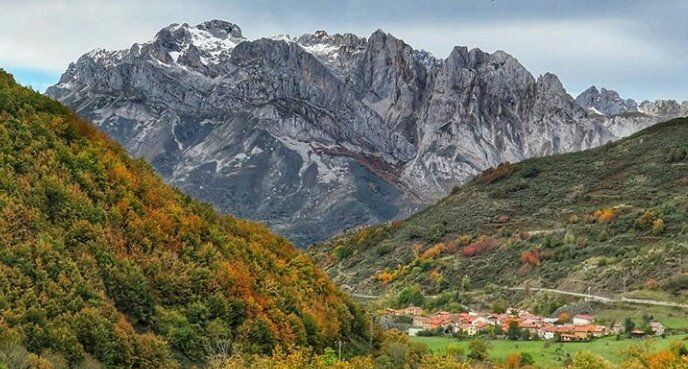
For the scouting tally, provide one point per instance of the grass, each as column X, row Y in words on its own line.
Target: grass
column 556, row 353
column 672, row 318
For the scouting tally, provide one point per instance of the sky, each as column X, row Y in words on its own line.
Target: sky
column 636, row 47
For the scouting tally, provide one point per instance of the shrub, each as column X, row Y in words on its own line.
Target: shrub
column 502, row 171
column 433, row 251
column 530, row 172
column 676, row 154
column 604, row 215
column 658, row 226
column 479, row 247
column 478, row 350
column 342, row 252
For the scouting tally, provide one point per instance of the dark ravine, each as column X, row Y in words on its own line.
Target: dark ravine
column 320, row 133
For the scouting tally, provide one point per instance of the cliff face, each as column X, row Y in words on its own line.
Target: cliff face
column 320, row 133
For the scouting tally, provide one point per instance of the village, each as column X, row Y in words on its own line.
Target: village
column 516, row 324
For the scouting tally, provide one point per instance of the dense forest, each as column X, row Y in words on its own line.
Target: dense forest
column 102, row 264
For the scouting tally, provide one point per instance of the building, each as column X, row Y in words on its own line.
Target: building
column 583, row 319
column 637, row 333
column 413, row 310
column 658, row 329
column 414, row 331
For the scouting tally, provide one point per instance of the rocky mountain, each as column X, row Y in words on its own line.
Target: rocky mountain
column 316, row 134
column 609, row 103
column 609, row 220
column 606, row 102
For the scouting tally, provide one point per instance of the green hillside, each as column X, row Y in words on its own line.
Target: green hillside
column 608, row 220
column 102, row 264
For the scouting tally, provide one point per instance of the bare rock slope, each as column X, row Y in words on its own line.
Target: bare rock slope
column 320, row 133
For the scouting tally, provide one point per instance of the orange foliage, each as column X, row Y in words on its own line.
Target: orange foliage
column 121, row 174
column 513, row 361
column 386, row 277
column 651, row 284
column 604, row 215
column 451, row 248
column 476, row 248
column 435, row 275
column 492, row 175
column 532, row 257
column 433, row 251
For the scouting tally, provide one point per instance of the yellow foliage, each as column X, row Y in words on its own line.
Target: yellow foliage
column 433, row 251
column 605, row 215
column 386, row 277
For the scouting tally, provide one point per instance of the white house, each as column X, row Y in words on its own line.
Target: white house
column 657, row 328
column 414, row 331
column 583, row 319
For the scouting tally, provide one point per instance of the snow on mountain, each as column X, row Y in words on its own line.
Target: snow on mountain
column 320, row 133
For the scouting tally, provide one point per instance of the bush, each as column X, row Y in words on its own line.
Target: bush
column 530, row 172
column 676, row 154
column 658, row 226
column 342, row 252
column 479, row 247
column 502, row 171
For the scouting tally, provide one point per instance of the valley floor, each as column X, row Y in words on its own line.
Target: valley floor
column 554, row 354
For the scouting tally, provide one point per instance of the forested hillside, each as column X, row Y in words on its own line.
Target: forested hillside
column 611, row 220
column 101, row 263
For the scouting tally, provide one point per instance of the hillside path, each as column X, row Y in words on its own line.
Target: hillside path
column 598, row 298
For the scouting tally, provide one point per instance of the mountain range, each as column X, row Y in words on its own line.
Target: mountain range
column 320, row 133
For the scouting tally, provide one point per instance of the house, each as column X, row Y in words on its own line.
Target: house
column 658, row 328
column 583, row 319
column 414, row 331
column 413, row 310
column 430, row 323
column 591, row 330
column 419, row 321
column 637, row 333
column 574, row 337
column 393, row 312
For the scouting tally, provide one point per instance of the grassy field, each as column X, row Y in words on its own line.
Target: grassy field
column 556, row 353
column 673, row 318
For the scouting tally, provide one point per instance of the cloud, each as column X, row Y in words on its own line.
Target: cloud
column 634, row 46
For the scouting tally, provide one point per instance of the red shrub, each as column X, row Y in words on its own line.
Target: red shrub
column 478, row 247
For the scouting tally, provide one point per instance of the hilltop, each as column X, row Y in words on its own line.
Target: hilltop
column 101, row 263
column 606, row 220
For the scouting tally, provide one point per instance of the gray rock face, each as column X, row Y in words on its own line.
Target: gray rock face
column 320, row 133
column 606, row 102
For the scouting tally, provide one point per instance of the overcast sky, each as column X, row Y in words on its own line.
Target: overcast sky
column 637, row 47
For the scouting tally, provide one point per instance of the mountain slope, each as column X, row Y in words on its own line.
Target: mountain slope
column 320, row 133
column 101, row 259
column 610, row 219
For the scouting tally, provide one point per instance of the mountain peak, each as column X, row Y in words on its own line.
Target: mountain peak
column 221, row 29
column 605, row 101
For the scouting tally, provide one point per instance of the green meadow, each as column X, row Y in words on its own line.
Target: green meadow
column 553, row 353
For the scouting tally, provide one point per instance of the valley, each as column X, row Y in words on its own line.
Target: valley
column 380, row 193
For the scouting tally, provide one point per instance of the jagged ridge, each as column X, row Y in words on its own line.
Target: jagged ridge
column 320, row 133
